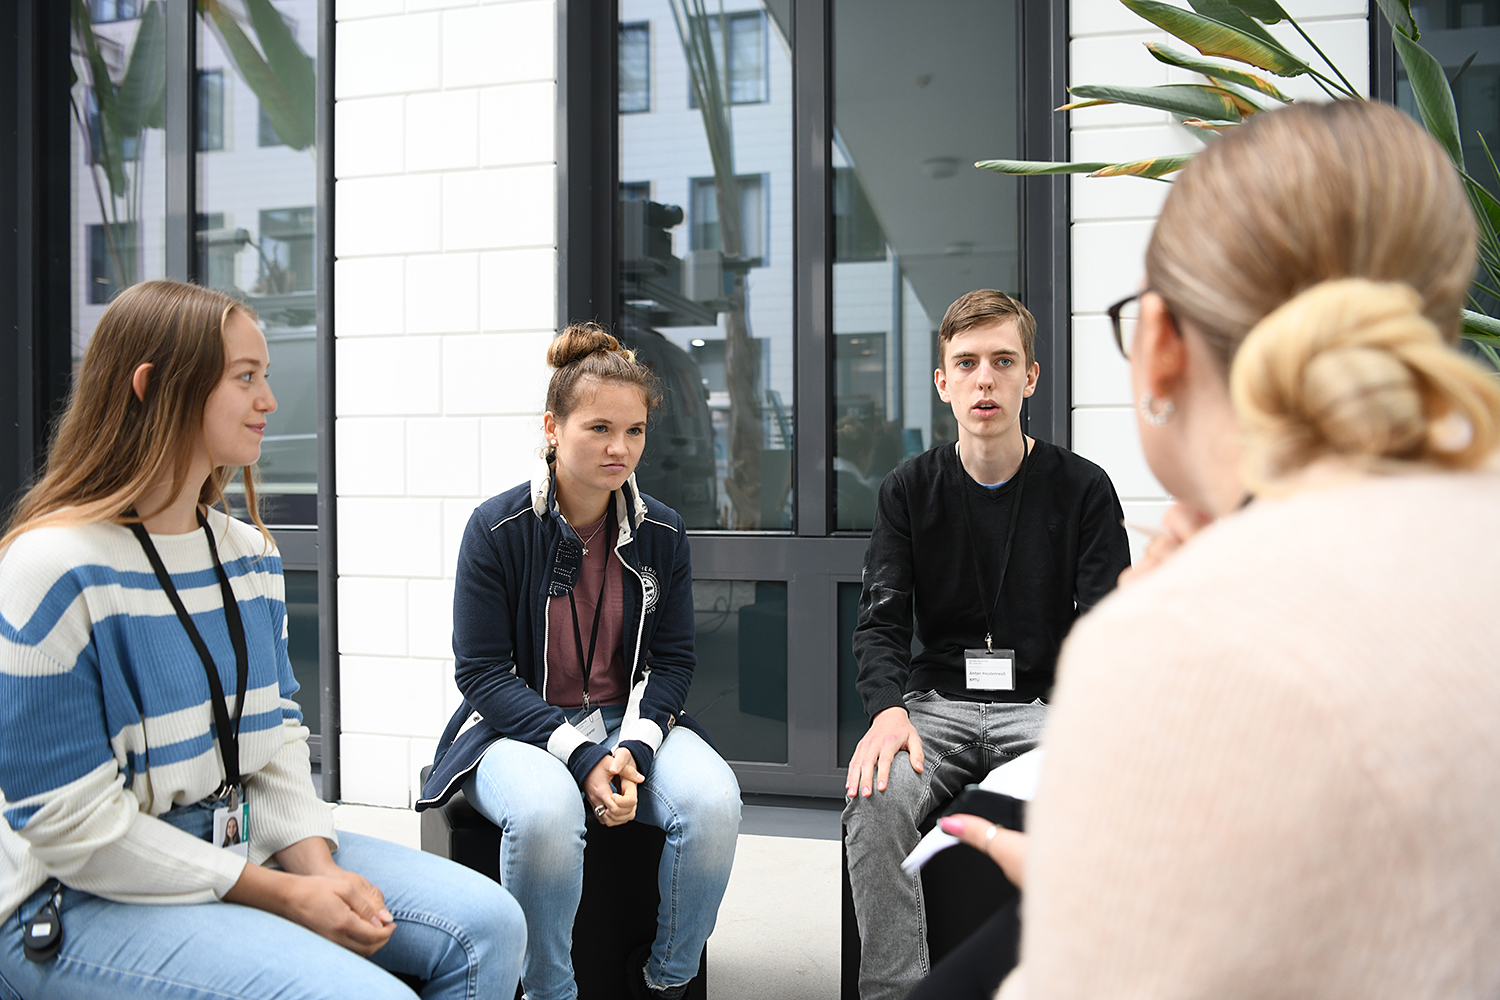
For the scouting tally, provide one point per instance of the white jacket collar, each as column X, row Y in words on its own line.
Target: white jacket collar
column 627, row 499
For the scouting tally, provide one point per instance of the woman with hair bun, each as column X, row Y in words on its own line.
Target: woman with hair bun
column 1274, row 761
column 573, row 637
column 162, row 836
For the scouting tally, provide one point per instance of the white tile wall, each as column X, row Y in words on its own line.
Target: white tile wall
column 445, row 300
column 1112, row 217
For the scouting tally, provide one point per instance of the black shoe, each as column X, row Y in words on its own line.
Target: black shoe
column 635, row 979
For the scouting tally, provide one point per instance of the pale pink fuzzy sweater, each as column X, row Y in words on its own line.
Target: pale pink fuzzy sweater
column 1274, row 764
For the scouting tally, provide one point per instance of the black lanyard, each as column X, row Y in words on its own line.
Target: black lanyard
column 587, row 662
column 229, row 738
column 991, row 608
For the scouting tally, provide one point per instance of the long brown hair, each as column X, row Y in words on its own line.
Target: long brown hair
column 1323, row 253
column 111, row 447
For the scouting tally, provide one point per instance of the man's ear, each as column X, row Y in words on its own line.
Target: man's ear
column 140, row 379
column 1031, row 379
column 940, row 379
column 1158, row 347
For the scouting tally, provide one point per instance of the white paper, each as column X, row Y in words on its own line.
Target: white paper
column 1016, row 778
column 592, row 727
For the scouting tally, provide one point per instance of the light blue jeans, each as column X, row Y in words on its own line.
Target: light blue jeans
column 531, row 796
column 456, row 930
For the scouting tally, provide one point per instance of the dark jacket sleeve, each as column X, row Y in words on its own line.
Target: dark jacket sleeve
column 882, row 637
column 1103, row 547
column 670, row 660
column 485, row 606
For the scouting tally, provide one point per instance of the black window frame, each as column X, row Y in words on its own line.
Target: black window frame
column 36, row 271
column 813, row 558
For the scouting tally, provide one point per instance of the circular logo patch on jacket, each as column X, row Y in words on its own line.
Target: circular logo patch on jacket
column 649, row 588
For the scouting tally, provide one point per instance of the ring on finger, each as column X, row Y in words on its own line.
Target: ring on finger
column 989, row 834
column 599, row 811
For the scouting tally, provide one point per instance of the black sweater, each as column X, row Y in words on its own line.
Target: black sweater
column 1069, row 549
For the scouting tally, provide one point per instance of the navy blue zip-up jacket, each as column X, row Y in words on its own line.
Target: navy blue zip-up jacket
column 518, row 551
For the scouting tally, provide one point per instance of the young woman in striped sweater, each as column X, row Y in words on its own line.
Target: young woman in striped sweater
column 147, row 715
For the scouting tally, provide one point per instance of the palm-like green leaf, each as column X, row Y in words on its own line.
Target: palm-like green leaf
column 141, row 102
column 1266, row 11
column 1187, row 99
column 1154, row 167
column 1398, row 13
column 1216, row 71
column 1429, row 85
column 1034, row 167
column 283, row 80
column 1481, row 327
column 1216, row 38
column 106, row 149
column 294, row 112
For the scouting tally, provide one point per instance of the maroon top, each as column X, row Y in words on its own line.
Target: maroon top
column 608, row 683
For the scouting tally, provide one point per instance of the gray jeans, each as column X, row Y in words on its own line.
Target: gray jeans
column 962, row 741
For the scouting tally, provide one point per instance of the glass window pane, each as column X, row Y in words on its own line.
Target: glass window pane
column 257, row 234
column 705, row 299
column 118, row 156
column 302, row 642
column 210, row 110
column 747, row 59
column 917, row 99
column 635, row 68
column 739, row 688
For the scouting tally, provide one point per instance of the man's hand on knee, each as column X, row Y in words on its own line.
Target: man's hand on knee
column 890, row 731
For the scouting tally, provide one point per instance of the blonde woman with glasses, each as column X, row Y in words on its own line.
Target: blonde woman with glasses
column 1274, row 760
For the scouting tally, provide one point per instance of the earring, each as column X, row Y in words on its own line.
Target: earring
column 1152, row 416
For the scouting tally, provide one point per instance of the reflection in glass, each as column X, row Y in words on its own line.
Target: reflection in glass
column 118, row 107
column 302, row 641
column 705, row 253
column 921, row 91
column 739, row 688
column 257, row 234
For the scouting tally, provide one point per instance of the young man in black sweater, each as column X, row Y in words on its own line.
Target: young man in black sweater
column 986, row 551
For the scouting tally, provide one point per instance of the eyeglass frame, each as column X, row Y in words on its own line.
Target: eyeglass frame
column 1113, row 312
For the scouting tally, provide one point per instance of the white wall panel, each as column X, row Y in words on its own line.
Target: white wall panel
column 369, row 296
column 386, row 55
column 442, row 456
column 445, row 299
column 442, row 130
column 442, row 293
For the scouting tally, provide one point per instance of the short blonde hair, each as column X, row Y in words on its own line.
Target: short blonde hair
column 1324, row 253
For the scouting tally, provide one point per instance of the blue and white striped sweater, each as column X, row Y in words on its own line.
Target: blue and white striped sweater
column 98, row 678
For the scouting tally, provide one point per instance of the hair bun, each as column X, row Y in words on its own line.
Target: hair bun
column 1353, row 368
column 578, row 341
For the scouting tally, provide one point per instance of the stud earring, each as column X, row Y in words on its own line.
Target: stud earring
column 1152, row 416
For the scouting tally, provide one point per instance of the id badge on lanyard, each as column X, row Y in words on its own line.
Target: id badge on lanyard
column 231, row 827
column 990, row 669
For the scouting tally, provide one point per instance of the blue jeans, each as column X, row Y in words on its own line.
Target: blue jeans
column 456, row 930
column 962, row 741
column 531, row 796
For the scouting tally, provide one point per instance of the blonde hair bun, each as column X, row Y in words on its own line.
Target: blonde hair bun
column 1352, row 368
column 578, row 341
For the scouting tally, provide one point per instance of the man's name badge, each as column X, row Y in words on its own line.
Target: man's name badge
column 990, row 669
column 592, row 727
column 232, row 828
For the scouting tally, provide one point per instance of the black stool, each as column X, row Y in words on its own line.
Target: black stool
column 962, row 887
column 617, row 913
